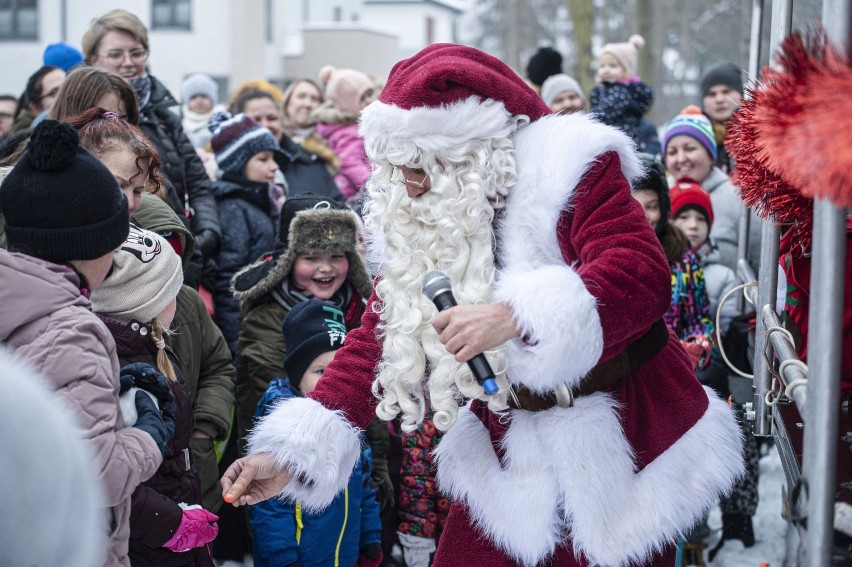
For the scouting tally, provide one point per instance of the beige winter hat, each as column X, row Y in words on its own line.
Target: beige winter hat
column 146, row 277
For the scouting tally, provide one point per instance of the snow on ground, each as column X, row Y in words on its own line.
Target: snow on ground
column 769, row 527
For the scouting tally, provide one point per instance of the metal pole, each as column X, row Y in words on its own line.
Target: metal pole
column 756, row 36
column 825, row 343
column 786, row 351
column 782, row 22
column 824, row 350
column 753, row 72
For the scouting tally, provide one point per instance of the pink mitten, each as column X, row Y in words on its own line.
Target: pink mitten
column 197, row 527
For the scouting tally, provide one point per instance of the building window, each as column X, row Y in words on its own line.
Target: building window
column 171, row 14
column 338, row 14
column 18, row 19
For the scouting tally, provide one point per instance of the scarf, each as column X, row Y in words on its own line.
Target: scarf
column 142, row 86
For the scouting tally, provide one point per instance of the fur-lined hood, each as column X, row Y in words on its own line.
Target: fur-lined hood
column 316, row 230
column 327, row 113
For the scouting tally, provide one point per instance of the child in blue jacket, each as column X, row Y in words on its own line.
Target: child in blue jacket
column 348, row 532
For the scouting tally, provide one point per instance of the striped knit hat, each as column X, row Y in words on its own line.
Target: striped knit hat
column 236, row 139
column 691, row 122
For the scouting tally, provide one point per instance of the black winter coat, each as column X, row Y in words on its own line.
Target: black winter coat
column 249, row 231
column 182, row 166
column 154, row 511
column 306, row 172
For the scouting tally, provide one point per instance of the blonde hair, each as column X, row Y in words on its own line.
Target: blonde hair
column 114, row 20
column 164, row 363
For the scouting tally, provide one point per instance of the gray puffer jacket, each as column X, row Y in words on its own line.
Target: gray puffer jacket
column 727, row 209
column 48, row 323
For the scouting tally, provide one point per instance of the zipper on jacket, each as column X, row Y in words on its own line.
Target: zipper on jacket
column 342, row 529
column 299, row 523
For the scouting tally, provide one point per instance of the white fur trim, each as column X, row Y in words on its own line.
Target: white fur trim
column 311, row 441
column 385, row 127
column 550, row 302
column 570, row 471
column 556, row 312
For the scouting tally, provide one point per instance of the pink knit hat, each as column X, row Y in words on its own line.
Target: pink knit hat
column 345, row 87
column 626, row 52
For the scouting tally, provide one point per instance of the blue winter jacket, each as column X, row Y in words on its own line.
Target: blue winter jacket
column 285, row 534
column 247, row 232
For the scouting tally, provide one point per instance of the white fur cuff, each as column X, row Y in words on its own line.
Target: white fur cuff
column 313, row 443
column 559, row 317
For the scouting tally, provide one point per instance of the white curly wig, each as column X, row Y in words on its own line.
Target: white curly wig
column 449, row 228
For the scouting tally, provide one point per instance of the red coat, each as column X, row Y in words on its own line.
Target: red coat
column 621, row 475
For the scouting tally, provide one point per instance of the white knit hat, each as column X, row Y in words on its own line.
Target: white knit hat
column 146, row 277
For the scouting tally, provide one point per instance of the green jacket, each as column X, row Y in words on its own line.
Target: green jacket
column 203, row 354
column 260, row 357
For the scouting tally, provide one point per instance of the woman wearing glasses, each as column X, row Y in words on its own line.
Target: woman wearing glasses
column 118, row 42
column 38, row 97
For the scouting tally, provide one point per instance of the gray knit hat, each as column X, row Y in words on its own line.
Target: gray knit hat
column 557, row 84
column 146, row 277
column 199, row 84
column 723, row 73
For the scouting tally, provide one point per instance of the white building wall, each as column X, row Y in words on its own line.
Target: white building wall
column 228, row 38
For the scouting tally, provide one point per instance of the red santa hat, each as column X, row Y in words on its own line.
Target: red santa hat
column 447, row 95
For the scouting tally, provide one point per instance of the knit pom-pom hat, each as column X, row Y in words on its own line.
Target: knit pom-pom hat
column 545, row 63
column 626, row 52
column 147, row 275
column 60, row 203
column 236, row 139
column 691, row 122
column 688, row 194
column 345, row 87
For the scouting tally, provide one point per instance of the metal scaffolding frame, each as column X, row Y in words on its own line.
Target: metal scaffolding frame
column 815, row 389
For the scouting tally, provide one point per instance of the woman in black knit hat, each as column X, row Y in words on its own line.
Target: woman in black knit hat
column 65, row 216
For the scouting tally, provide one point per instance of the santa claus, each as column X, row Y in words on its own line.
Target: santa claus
column 601, row 447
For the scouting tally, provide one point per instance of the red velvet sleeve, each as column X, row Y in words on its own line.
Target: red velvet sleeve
column 346, row 383
column 619, row 258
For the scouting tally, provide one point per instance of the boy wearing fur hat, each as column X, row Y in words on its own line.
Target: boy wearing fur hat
column 621, row 99
column 315, row 256
column 575, row 460
column 348, row 532
column 249, row 203
column 137, row 304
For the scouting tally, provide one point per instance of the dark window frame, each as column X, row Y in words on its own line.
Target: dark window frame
column 171, row 22
column 14, row 33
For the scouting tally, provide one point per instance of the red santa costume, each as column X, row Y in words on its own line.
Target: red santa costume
column 614, row 476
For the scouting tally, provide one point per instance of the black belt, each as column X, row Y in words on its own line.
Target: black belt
column 601, row 377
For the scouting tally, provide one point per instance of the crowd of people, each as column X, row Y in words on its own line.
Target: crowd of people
column 183, row 272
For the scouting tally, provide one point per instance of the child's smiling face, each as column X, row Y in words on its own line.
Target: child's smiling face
column 321, row 275
column 610, row 70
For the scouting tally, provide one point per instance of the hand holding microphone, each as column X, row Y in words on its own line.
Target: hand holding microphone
column 489, row 325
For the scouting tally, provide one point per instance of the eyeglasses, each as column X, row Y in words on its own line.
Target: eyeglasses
column 52, row 94
column 117, row 55
column 400, row 177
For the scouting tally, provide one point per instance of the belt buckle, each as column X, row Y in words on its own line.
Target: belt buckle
column 564, row 397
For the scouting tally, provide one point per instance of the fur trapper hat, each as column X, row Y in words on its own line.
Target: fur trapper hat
column 309, row 224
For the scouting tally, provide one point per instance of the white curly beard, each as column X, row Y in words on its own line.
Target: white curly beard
column 449, row 228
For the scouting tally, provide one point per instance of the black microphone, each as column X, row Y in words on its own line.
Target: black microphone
column 438, row 288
